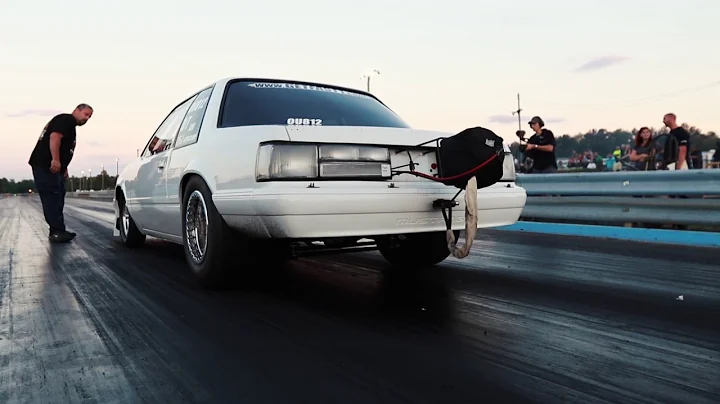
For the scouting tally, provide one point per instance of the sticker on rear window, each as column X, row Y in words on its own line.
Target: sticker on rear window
column 294, row 86
column 304, row 121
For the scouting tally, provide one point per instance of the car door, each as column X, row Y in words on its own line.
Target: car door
column 182, row 154
column 150, row 189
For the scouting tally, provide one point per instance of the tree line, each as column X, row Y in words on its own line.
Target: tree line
column 604, row 141
column 96, row 183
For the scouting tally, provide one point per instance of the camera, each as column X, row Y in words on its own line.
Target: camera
column 523, row 142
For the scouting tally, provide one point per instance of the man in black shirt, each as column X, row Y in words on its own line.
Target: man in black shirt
column 49, row 161
column 680, row 137
column 541, row 148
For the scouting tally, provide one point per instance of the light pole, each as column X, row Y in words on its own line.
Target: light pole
column 82, row 180
column 117, row 167
column 89, row 179
column 367, row 76
column 102, row 175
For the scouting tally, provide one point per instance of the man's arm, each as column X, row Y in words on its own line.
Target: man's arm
column 55, row 140
column 682, row 156
column 57, row 128
column 545, row 147
column 683, row 138
column 548, row 144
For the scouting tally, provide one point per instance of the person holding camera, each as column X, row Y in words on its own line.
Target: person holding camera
column 541, row 148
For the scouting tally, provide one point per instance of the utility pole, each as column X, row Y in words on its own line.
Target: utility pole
column 367, row 76
column 520, row 133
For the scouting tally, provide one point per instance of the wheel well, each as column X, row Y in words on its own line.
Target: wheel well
column 120, row 198
column 183, row 183
column 119, row 194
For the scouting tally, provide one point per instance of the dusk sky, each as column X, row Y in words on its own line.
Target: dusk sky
column 445, row 65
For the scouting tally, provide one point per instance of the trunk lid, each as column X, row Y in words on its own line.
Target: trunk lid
column 363, row 135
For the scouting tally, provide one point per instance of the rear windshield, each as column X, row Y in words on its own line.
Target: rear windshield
column 285, row 103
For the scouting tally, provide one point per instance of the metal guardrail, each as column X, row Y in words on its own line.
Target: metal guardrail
column 613, row 197
column 624, row 183
column 656, row 210
column 688, row 197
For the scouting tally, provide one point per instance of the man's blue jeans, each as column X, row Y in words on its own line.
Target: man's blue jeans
column 51, row 188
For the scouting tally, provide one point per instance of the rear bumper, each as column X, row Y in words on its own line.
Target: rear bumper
column 334, row 210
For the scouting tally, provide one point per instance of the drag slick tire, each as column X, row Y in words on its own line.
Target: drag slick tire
column 130, row 235
column 416, row 250
column 207, row 240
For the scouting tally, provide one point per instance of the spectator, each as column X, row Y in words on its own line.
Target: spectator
column 643, row 155
column 677, row 145
column 696, row 157
column 609, row 162
column 599, row 162
column 626, row 150
column 541, row 148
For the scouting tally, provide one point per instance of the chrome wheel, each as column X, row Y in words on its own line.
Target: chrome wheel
column 196, row 226
column 126, row 220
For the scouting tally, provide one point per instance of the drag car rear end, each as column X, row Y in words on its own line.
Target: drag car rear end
column 303, row 167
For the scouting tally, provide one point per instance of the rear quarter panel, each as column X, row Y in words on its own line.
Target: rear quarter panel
column 224, row 158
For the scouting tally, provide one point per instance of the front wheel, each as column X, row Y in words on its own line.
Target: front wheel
column 207, row 240
column 416, row 250
column 130, row 235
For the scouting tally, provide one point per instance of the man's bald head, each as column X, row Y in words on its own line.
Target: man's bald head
column 82, row 113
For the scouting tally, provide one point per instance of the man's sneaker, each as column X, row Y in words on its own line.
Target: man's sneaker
column 62, row 237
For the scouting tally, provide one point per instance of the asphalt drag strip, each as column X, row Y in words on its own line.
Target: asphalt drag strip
column 523, row 319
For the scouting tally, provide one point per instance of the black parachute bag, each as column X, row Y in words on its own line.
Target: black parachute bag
column 466, row 151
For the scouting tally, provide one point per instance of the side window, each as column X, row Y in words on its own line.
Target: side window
column 164, row 135
column 190, row 128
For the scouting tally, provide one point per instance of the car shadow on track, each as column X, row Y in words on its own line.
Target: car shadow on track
column 329, row 283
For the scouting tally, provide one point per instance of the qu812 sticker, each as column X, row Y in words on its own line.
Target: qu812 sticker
column 304, row 121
